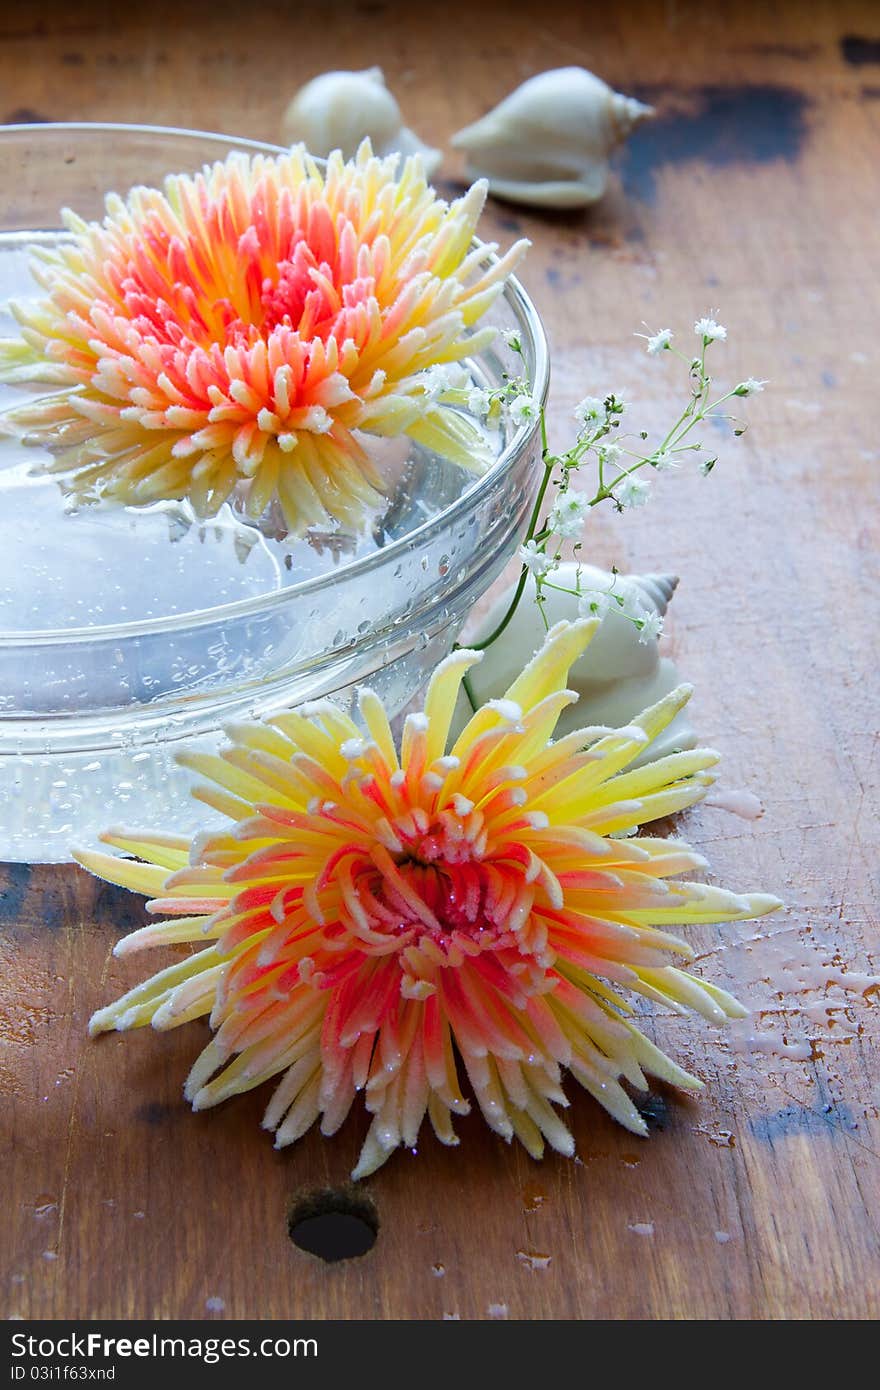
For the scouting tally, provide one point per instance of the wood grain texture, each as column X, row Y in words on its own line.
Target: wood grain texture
column 754, row 193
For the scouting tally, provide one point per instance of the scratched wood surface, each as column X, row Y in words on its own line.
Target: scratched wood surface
column 753, row 193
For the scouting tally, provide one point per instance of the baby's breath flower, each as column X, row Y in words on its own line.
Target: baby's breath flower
column 622, row 472
column 589, row 410
column 657, row 342
column 523, row 409
column 631, row 491
column 479, row 401
column 568, row 515
column 709, row 330
column 456, row 377
column 594, row 603
column 651, row 625
column 536, row 561
column 750, row 387
column 610, row 453
column 433, row 386
column 437, row 381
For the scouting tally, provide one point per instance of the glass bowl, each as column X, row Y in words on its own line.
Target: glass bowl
column 127, row 633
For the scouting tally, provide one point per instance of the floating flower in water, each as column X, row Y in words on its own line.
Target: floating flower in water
column 242, row 324
column 373, row 915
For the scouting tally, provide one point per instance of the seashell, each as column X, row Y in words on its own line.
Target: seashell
column 656, row 589
column 617, row 677
column 337, row 110
column 548, row 143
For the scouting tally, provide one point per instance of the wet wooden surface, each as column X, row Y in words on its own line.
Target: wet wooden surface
column 754, row 193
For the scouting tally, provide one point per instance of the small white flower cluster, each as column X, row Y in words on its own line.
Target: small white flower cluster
column 560, row 510
column 663, row 461
column 536, row 559
column 630, row 491
column 650, row 625
column 609, row 453
column 657, row 342
column 597, row 603
column 709, row 330
column 594, row 603
column 589, row 411
column 596, row 416
column 439, row 380
column 479, row 402
column 750, row 387
column 523, row 410
column 570, row 511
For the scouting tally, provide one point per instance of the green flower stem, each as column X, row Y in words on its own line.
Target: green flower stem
column 549, row 464
column 469, row 690
column 689, row 418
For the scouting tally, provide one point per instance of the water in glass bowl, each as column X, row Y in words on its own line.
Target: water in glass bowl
column 127, row 632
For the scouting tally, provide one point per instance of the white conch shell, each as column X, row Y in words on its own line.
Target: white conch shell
column 617, row 677
column 338, row 110
column 549, row 142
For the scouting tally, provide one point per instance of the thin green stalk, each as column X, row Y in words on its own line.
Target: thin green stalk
column 549, row 465
column 468, row 689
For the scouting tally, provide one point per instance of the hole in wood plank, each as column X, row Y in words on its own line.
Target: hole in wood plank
column 334, row 1224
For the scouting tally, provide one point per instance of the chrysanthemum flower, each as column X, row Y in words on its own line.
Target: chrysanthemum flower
column 243, row 324
column 380, row 919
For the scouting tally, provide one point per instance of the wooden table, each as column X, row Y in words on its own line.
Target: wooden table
column 753, row 193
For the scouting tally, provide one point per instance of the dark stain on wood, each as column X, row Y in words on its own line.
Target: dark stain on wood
column 15, row 881
column 798, row 52
column 859, row 51
column 24, row 115
column 717, row 126
column 509, row 224
column 155, row 1113
column 124, row 910
column 449, row 188
column 35, row 31
column 801, row 1119
column 53, row 30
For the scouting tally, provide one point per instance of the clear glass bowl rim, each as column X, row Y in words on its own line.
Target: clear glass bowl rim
column 527, row 318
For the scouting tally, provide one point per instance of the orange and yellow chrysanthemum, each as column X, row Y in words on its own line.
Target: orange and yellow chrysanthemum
column 379, row 919
column 240, row 326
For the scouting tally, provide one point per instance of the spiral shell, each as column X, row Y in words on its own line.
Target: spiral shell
column 618, row 676
column 657, row 589
column 337, row 110
column 548, row 143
